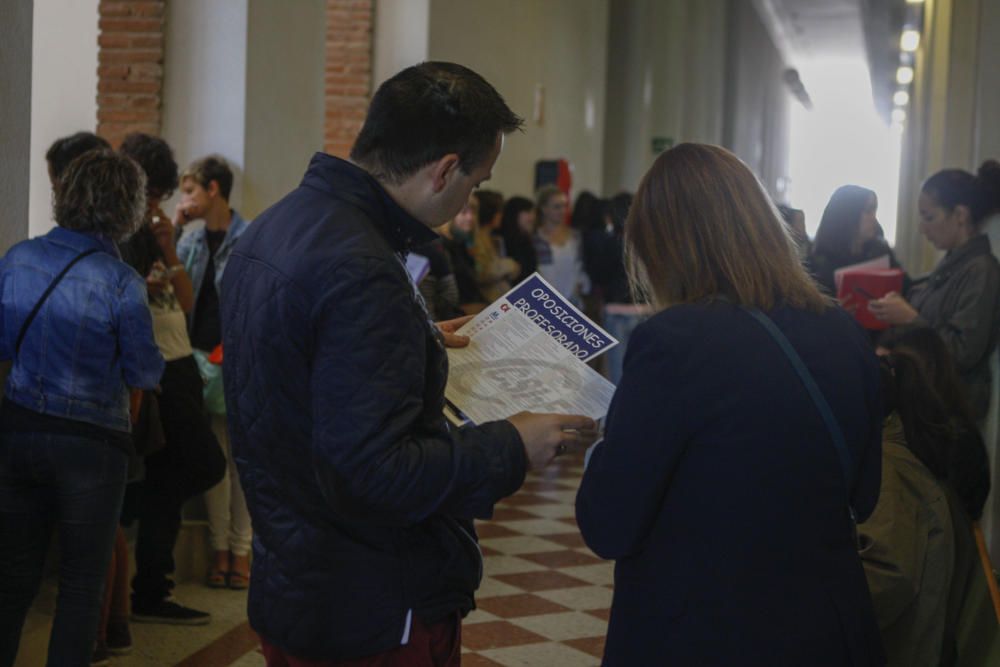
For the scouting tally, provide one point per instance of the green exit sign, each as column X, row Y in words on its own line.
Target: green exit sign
column 660, row 144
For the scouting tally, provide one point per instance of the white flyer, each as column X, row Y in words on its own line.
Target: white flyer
column 528, row 351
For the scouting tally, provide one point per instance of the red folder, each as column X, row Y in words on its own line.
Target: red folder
column 863, row 285
column 216, row 356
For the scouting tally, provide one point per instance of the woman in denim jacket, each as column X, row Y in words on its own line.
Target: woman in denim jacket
column 64, row 420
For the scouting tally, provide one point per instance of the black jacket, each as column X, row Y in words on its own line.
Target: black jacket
column 361, row 495
column 720, row 495
column 961, row 301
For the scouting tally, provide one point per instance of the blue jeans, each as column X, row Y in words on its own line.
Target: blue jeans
column 74, row 484
column 620, row 326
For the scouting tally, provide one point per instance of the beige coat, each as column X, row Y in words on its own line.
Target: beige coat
column 908, row 551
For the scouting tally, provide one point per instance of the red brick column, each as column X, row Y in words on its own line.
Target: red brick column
column 348, row 71
column 130, row 68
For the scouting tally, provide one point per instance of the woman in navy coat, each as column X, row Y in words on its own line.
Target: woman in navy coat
column 718, row 488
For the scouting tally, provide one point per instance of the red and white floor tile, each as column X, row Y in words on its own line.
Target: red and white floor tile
column 545, row 596
column 544, row 599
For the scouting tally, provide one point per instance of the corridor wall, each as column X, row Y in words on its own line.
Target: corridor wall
column 244, row 79
column 555, row 50
column 15, row 119
column 666, row 78
column 63, row 89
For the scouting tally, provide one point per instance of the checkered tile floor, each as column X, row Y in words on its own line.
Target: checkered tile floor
column 544, row 600
column 545, row 597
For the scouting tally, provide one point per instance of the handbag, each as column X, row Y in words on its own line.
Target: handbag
column 819, row 400
column 213, row 392
column 7, row 365
column 147, row 431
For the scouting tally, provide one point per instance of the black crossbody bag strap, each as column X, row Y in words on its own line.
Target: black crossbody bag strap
column 816, row 394
column 45, row 295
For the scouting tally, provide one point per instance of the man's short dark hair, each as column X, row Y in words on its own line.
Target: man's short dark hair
column 64, row 150
column 101, row 191
column 208, row 169
column 156, row 158
column 427, row 111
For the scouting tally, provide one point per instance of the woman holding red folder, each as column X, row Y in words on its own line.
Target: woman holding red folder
column 848, row 234
column 961, row 297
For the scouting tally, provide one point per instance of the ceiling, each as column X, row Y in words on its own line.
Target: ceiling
column 810, row 30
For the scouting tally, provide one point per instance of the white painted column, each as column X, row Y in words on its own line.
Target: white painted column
column 15, row 119
column 204, row 83
column 63, row 90
column 401, row 35
column 244, row 79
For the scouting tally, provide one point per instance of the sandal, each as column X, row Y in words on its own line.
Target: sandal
column 217, row 578
column 239, row 581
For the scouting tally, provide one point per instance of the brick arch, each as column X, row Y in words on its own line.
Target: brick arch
column 348, row 71
column 131, row 57
column 130, row 68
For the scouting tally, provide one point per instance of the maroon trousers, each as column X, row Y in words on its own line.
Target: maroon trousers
column 437, row 645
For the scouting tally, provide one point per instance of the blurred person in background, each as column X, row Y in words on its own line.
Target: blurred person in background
column 438, row 288
column 458, row 236
column 113, row 635
column 205, row 188
column 960, row 299
column 192, row 461
column 848, row 234
column 795, row 220
column 621, row 314
column 558, row 246
column 517, row 227
column 490, row 211
column 75, row 324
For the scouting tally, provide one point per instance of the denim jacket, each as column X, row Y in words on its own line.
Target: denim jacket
column 92, row 338
column 192, row 250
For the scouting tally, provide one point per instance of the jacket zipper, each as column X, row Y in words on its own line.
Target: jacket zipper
column 479, row 551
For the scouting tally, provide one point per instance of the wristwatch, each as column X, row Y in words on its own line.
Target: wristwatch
column 174, row 270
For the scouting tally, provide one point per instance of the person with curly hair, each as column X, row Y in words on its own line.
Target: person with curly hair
column 191, row 462
column 75, row 324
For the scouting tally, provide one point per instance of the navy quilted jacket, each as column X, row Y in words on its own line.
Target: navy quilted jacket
column 361, row 495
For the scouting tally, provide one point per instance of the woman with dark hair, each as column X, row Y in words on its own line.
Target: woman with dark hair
column 621, row 314
column 586, row 213
column 517, row 227
column 74, row 323
column 744, row 435
column 458, row 237
column 191, row 460
column 961, row 297
column 558, row 246
column 65, row 149
column 848, row 234
column 968, row 470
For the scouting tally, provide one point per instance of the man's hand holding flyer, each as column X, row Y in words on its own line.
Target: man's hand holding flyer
column 528, row 352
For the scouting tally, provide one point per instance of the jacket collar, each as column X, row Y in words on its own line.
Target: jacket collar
column 81, row 241
column 236, row 226
column 976, row 246
column 347, row 181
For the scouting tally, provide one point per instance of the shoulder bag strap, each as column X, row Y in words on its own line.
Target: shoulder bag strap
column 45, row 295
column 836, row 434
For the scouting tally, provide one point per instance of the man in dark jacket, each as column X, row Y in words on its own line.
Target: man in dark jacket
column 361, row 495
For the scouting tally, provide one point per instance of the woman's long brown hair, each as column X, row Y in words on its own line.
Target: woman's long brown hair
column 702, row 227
